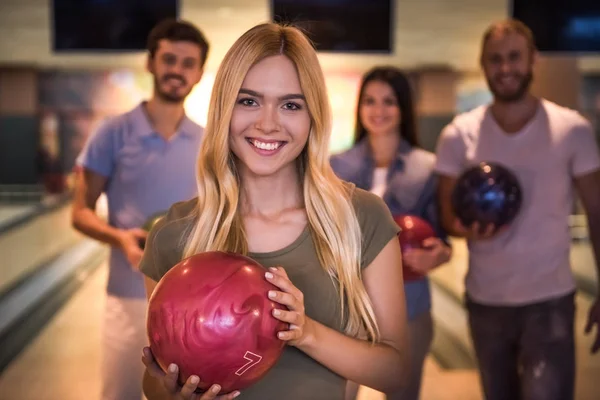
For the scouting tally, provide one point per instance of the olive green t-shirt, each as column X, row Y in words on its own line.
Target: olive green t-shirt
column 296, row 376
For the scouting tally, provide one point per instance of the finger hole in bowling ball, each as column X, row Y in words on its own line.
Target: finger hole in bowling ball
column 142, row 243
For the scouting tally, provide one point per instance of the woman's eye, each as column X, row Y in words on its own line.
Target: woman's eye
column 292, row 106
column 247, row 102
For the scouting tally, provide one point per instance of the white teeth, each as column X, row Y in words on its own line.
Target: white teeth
column 266, row 146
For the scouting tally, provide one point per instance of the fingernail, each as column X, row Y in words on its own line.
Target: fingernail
column 276, row 313
column 172, row 368
column 269, row 275
column 280, row 335
column 216, row 389
column 236, row 394
column 195, row 379
column 272, row 294
column 273, row 269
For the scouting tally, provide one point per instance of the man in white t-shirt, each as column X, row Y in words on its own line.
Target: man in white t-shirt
column 519, row 286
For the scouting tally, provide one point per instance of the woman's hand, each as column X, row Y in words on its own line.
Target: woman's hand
column 434, row 253
column 172, row 387
column 290, row 296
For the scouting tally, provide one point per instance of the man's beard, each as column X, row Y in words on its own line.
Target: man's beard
column 169, row 97
column 516, row 95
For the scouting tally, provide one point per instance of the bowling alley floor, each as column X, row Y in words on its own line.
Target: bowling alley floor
column 62, row 363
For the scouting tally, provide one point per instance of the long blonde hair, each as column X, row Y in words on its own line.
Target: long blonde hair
column 333, row 222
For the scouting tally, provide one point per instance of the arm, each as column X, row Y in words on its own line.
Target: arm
column 588, row 189
column 585, row 169
column 447, row 216
column 436, row 251
column 96, row 164
column 152, row 387
column 88, row 187
column 383, row 365
column 450, row 162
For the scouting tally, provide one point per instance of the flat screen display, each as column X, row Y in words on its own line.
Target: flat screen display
column 106, row 25
column 561, row 26
column 341, row 26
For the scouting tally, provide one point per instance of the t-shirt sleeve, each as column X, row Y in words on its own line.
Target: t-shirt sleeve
column 450, row 152
column 164, row 244
column 584, row 149
column 376, row 222
column 99, row 152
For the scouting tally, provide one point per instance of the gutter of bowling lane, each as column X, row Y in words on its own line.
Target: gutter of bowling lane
column 29, row 306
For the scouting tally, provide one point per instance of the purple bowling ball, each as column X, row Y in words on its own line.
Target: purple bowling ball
column 488, row 193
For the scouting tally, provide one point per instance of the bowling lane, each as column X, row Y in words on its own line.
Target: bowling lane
column 62, row 363
column 10, row 213
column 449, row 279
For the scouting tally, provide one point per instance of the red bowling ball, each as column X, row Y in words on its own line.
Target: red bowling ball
column 211, row 316
column 414, row 231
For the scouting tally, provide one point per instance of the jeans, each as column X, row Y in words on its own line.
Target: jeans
column 525, row 352
column 420, row 332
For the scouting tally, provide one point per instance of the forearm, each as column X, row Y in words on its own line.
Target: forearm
column 380, row 366
column 594, row 232
column 86, row 221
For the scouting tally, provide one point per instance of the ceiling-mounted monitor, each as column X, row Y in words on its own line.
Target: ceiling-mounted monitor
column 561, row 26
column 106, row 25
column 341, row 26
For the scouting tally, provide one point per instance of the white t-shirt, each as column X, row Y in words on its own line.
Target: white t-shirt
column 530, row 261
column 379, row 181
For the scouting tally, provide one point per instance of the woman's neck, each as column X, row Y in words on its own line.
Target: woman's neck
column 384, row 148
column 269, row 196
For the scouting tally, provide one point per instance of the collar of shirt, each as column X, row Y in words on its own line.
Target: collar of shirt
column 140, row 119
column 365, row 158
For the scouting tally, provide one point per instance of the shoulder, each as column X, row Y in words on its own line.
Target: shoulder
column 465, row 123
column 421, row 160
column 413, row 184
column 349, row 154
column 377, row 225
column 565, row 117
column 370, row 209
column 169, row 234
column 115, row 126
column 178, row 218
column 347, row 162
column 193, row 127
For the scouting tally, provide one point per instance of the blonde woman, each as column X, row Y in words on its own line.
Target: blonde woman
column 266, row 189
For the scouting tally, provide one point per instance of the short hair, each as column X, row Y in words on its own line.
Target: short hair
column 177, row 31
column 509, row 26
